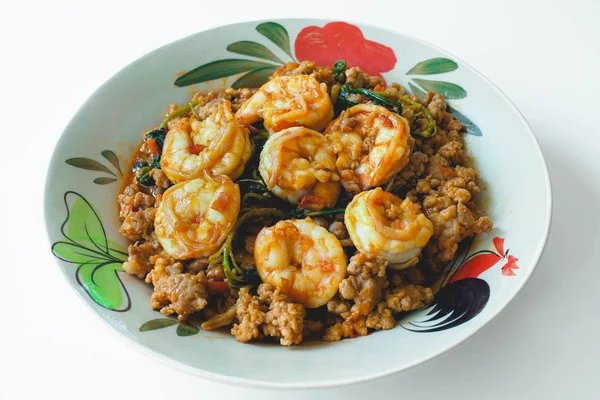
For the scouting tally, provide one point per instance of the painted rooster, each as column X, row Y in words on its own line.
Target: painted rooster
column 462, row 294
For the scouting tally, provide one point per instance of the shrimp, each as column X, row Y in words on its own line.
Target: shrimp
column 298, row 165
column 287, row 101
column 383, row 225
column 218, row 145
column 372, row 144
column 195, row 217
column 302, row 259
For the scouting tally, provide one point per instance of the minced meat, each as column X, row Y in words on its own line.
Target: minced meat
column 176, row 292
column 439, row 179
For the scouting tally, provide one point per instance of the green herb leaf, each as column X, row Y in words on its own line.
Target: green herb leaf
column 218, row 69
column 303, row 213
column 417, row 91
column 159, row 136
column 255, row 78
column 339, row 71
column 139, row 165
column 143, row 176
column 104, row 181
column 470, row 126
column 112, row 157
column 433, row 66
column 158, row 323
column 187, row 330
column 378, row 99
column 253, row 49
column 448, row 90
column 89, row 164
column 184, row 109
column 251, row 186
column 276, row 34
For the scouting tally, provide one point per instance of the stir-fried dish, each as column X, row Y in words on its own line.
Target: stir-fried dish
column 322, row 205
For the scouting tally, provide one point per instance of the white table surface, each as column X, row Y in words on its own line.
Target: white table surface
column 544, row 55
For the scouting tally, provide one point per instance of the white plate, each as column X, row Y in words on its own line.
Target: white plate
column 100, row 139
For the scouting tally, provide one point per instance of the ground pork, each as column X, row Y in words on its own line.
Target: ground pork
column 249, row 243
column 451, row 226
column 138, row 261
column 268, row 313
column 444, row 186
column 244, row 259
column 338, row 229
column 357, row 78
column 284, row 320
column 321, row 221
column 352, row 326
column 437, row 179
column 250, row 315
column 215, row 273
column 408, row 298
column 414, row 170
column 133, row 199
column 380, row 317
column 358, row 294
column 209, row 101
column 138, row 224
column 196, row 265
column 160, row 178
column 227, row 299
column 176, row 292
column 292, row 68
column 324, row 75
column 364, row 264
column 312, row 328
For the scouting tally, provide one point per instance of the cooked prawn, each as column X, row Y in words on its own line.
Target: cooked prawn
column 372, row 145
column 218, row 144
column 287, row 101
column 195, row 217
column 298, row 165
column 383, row 225
column 302, row 259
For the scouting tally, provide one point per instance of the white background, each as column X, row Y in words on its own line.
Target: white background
column 544, row 55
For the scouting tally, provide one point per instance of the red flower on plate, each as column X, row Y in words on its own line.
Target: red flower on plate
column 510, row 266
column 483, row 260
column 342, row 41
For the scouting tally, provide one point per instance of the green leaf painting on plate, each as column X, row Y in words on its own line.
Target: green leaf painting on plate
column 183, row 329
column 98, row 259
column 417, row 91
column 89, row 164
column 93, row 165
column 218, row 69
column 158, row 323
column 253, row 49
column 433, row 66
column 112, row 157
column 187, row 330
column 104, row 181
column 470, row 126
column 276, row 34
column 255, row 73
column 450, row 91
